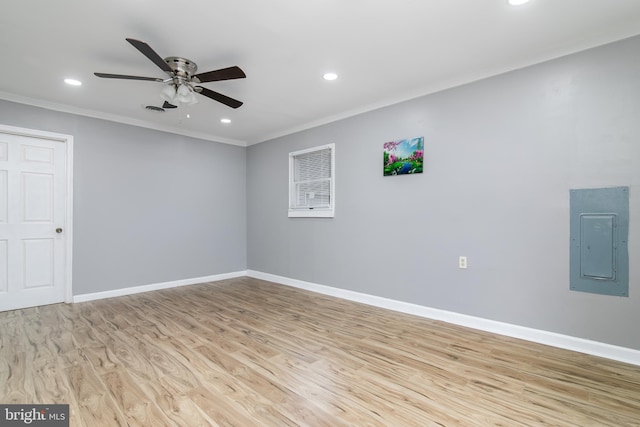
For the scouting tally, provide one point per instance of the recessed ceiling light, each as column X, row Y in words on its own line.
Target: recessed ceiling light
column 188, row 116
column 518, row 2
column 73, row 82
column 225, row 121
column 330, row 76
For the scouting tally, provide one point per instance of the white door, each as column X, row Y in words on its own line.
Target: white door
column 33, row 195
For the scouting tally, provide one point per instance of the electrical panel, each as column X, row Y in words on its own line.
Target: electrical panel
column 599, row 229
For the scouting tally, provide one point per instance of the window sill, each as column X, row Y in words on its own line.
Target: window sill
column 311, row 213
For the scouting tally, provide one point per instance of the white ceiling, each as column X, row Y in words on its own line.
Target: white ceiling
column 384, row 51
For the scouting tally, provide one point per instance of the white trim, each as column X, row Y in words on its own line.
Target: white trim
column 156, row 286
column 118, row 119
column 621, row 354
column 451, row 81
column 68, row 220
column 311, row 213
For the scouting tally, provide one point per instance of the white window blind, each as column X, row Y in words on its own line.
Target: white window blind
column 312, row 182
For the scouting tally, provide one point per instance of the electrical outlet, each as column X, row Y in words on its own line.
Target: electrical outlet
column 462, row 262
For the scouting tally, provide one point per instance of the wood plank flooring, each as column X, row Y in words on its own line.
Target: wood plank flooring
column 244, row 352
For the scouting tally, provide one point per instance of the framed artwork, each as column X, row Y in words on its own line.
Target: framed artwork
column 403, row 157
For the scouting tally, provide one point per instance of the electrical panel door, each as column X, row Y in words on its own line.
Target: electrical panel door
column 599, row 230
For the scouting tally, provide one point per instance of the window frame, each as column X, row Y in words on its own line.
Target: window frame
column 312, row 212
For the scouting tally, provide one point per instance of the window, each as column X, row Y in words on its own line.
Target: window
column 312, row 182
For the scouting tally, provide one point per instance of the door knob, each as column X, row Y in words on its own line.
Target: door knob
column 58, row 230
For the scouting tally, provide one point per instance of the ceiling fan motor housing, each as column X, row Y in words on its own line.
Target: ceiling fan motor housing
column 181, row 67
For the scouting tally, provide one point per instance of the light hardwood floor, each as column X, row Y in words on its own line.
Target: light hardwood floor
column 245, row 352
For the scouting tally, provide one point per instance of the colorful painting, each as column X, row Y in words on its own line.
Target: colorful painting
column 404, row 156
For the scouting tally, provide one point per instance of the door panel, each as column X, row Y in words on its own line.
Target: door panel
column 37, row 197
column 4, row 193
column 4, row 263
column 32, row 153
column 38, row 262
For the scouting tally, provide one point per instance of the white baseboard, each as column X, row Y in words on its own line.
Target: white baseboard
column 156, row 286
column 567, row 342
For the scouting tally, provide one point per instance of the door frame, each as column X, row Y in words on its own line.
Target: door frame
column 68, row 220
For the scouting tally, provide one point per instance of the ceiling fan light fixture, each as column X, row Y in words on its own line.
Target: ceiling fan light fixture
column 181, row 93
column 185, row 95
column 169, row 93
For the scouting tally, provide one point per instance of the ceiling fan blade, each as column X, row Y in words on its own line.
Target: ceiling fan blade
column 233, row 103
column 146, row 50
column 121, row 76
column 222, row 74
column 167, row 105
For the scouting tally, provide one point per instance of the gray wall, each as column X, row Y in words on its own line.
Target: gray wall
column 501, row 155
column 149, row 207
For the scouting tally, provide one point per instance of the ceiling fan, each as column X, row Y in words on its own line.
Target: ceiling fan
column 182, row 81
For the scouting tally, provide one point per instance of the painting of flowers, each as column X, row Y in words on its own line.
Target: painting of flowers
column 404, row 156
